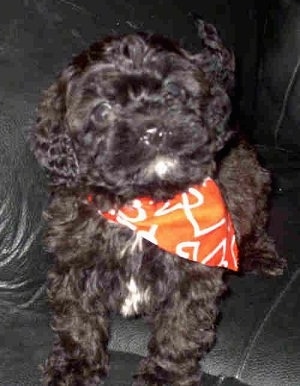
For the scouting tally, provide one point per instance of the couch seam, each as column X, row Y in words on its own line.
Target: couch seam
column 285, row 100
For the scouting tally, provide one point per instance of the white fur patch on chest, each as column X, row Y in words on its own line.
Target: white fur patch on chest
column 135, row 299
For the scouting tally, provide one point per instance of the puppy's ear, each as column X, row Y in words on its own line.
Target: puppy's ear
column 49, row 138
column 217, row 63
column 215, row 60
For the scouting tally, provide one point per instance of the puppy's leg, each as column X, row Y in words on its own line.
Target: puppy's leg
column 183, row 330
column 79, row 355
column 80, row 321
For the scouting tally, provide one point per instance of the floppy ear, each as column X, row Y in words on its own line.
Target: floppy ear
column 215, row 60
column 217, row 63
column 49, row 138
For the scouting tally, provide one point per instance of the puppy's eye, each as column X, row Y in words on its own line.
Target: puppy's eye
column 174, row 89
column 101, row 111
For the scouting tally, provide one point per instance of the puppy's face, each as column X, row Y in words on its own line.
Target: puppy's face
column 142, row 117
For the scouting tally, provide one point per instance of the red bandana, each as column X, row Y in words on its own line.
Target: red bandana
column 195, row 225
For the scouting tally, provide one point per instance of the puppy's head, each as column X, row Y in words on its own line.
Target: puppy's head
column 137, row 115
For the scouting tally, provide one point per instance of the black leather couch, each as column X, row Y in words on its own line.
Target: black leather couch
column 258, row 336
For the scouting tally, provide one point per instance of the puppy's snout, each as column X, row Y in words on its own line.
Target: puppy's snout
column 153, row 136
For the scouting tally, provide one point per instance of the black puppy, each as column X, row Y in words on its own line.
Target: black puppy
column 153, row 197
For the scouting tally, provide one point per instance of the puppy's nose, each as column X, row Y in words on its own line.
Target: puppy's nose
column 153, row 136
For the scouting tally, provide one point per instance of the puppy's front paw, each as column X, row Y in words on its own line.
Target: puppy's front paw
column 151, row 374
column 73, row 375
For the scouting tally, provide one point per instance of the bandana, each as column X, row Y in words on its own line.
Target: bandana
column 194, row 225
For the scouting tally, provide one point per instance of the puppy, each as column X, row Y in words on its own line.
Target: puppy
column 154, row 196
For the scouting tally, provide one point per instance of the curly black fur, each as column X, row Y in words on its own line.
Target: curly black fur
column 115, row 113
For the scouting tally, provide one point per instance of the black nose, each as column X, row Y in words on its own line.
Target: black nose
column 153, row 136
